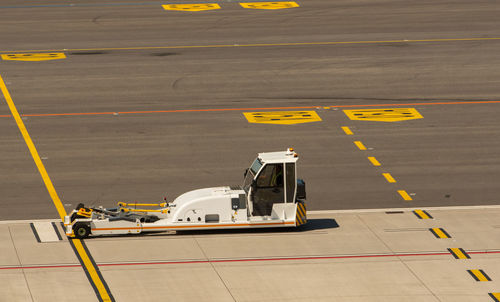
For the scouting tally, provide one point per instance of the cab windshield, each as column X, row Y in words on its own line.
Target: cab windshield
column 250, row 175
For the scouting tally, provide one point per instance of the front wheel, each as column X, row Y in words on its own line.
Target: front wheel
column 81, row 230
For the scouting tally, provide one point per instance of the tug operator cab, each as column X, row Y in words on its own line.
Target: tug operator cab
column 271, row 184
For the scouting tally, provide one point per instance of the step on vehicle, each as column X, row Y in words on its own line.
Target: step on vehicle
column 271, row 196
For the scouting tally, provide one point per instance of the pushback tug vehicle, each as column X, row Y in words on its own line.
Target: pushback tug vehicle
column 271, row 196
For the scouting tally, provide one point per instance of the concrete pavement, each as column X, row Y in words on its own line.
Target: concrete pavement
column 357, row 256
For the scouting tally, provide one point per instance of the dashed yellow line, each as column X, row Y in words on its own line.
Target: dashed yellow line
column 389, row 177
column 421, row 214
column 404, row 195
column 495, row 296
column 459, row 253
column 360, row 145
column 374, row 161
column 347, row 130
column 440, row 233
column 479, row 275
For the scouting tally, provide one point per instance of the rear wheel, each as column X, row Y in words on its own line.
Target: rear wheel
column 81, row 230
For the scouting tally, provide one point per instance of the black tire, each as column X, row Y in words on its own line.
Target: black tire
column 81, row 230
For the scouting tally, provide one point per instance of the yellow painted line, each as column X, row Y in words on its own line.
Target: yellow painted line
column 404, row 195
column 260, row 44
column 347, row 130
column 479, row 275
column 495, row 296
column 422, row 214
column 50, row 188
column 459, row 253
column 373, row 160
column 34, row 153
column 440, row 233
column 360, row 145
column 91, row 270
column 389, row 177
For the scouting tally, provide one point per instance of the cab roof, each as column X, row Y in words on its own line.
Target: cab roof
column 288, row 156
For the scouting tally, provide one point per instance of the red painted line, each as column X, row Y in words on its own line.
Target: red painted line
column 254, row 260
column 258, row 108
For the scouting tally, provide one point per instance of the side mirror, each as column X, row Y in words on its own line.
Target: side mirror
column 254, row 185
column 245, row 174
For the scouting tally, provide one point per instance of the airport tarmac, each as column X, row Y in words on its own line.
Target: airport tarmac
column 131, row 101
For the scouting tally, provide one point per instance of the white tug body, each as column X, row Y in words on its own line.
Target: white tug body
column 271, row 196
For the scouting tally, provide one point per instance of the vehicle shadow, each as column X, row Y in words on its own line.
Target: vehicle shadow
column 311, row 225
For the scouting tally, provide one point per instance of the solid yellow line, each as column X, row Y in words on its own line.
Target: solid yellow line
column 479, row 275
column 257, row 45
column 347, row 130
column 404, row 195
column 91, row 270
column 373, row 160
column 34, row 153
column 52, row 191
column 360, row 145
column 389, row 177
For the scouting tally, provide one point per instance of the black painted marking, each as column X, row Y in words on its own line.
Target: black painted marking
column 437, row 235
column 493, row 297
column 476, row 278
column 35, row 232
column 57, row 231
column 394, row 212
column 456, row 256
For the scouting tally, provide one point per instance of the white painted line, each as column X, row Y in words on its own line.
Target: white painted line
column 27, row 221
column 46, row 232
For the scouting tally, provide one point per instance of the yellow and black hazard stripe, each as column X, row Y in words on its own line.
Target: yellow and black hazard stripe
column 440, row 233
column 301, row 215
column 422, row 214
column 495, row 296
column 458, row 253
column 479, row 275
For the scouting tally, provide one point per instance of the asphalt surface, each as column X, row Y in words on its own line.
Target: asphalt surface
column 124, row 57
